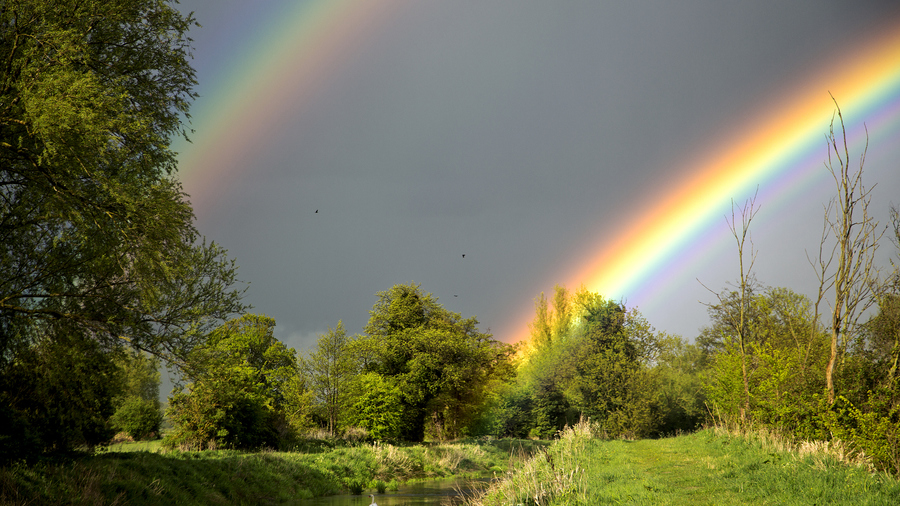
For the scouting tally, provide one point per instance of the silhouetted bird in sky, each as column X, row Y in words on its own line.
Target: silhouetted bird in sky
column 317, row 211
column 464, row 255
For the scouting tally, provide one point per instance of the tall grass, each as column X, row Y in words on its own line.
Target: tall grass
column 553, row 474
column 773, row 440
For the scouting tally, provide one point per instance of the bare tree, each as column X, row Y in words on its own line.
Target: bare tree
column 738, row 317
column 846, row 270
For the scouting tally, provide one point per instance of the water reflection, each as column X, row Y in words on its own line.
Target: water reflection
column 428, row 493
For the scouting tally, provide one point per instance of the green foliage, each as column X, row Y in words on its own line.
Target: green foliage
column 140, row 418
column 440, row 363
column 508, row 413
column 97, row 231
column 785, row 357
column 236, row 398
column 330, row 370
column 298, row 404
column 138, row 411
column 603, row 362
column 98, row 252
column 140, row 376
column 58, row 395
column 679, row 388
column 875, row 433
column 378, row 407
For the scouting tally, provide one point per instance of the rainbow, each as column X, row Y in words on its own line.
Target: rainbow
column 777, row 150
column 270, row 81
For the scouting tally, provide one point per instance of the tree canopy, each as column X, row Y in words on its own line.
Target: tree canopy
column 97, row 243
column 440, row 363
column 95, row 229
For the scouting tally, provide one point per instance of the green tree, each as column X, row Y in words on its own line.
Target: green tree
column 598, row 364
column 678, row 385
column 298, row 406
column 137, row 403
column 96, row 236
column 439, row 361
column 140, row 375
column 379, row 406
column 542, row 325
column 236, row 397
column 562, row 312
column 611, row 382
column 331, row 369
column 783, row 359
column 738, row 301
column 140, row 418
column 96, row 229
column 57, row 395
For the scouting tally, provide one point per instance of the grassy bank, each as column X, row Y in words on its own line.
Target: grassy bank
column 230, row 477
column 705, row 468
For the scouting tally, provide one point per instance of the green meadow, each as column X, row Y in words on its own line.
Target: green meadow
column 709, row 467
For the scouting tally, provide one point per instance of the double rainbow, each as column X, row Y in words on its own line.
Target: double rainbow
column 781, row 147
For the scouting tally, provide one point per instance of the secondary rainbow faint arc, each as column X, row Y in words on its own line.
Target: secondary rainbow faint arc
column 866, row 84
column 283, row 70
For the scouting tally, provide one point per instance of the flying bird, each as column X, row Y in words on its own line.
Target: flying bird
column 317, row 211
column 464, row 255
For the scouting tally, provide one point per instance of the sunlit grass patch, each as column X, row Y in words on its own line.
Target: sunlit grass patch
column 704, row 468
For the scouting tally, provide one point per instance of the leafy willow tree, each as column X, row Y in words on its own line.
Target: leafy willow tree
column 97, row 244
column 440, row 363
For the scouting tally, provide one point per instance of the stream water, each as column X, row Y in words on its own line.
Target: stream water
column 427, row 493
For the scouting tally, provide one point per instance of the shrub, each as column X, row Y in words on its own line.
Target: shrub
column 138, row 417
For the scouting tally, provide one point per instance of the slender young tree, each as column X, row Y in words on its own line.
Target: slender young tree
column 542, row 326
column 330, row 370
column 562, row 308
column 738, row 316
